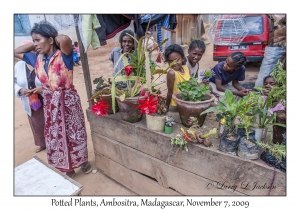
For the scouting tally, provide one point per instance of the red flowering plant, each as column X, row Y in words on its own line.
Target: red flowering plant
column 154, row 104
column 148, row 105
column 100, row 108
column 137, row 73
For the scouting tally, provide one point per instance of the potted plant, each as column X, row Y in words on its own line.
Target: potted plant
column 154, row 106
column 193, row 99
column 100, row 108
column 278, row 94
column 265, row 120
column 246, row 141
column 137, row 75
column 169, row 122
column 103, row 91
column 227, row 111
column 274, row 154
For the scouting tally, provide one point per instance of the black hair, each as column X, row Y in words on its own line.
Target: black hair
column 239, row 59
column 174, row 48
column 75, row 43
column 197, row 44
column 124, row 33
column 269, row 76
column 45, row 29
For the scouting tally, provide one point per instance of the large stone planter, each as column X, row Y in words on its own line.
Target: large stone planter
column 192, row 109
column 128, row 110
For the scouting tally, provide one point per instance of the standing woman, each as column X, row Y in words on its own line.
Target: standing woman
column 65, row 133
column 25, row 84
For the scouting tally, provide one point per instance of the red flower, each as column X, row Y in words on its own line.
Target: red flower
column 100, row 108
column 128, row 70
column 148, row 105
column 143, row 92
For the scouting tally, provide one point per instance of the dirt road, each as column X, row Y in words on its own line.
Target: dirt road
column 98, row 183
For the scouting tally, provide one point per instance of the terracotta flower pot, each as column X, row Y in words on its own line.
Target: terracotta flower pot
column 155, row 122
column 108, row 99
column 128, row 110
column 192, row 109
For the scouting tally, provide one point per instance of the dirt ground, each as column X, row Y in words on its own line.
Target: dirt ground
column 93, row 183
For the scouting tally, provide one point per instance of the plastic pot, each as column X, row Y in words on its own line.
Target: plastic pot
column 168, row 129
column 258, row 134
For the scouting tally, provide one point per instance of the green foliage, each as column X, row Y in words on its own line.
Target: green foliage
column 206, row 74
column 278, row 93
column 142, row 67
column 245, row 112
column 100, row 83
column 227, row 108
column 191, row 91
column 102, row 87
column 177, row 140
column 278, row 150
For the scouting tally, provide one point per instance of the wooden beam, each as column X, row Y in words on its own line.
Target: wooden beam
column 135, row 181
column 166, row 175
column 85, row 65
column 206, row 162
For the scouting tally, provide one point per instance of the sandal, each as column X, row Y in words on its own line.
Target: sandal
column 70, row 174
column 40, row 149
column 86, row 168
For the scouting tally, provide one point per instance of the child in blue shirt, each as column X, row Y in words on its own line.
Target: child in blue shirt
column 230, row 70
column 75, row 57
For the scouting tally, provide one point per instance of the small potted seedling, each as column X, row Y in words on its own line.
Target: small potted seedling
column 169, row 122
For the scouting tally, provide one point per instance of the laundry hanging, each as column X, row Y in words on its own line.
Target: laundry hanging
column 166, row 21
column 111, row 24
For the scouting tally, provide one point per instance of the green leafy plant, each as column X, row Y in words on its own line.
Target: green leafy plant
column 138, row 73
column 206, row 74
column 177, row 140
column 191, row 91
column 264, row 119
column 245, row 112
column 227, row 109
column 278, row 150
column 103, row 87
column 278, row 93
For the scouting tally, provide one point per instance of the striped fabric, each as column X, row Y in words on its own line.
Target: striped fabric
column 164, row 23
